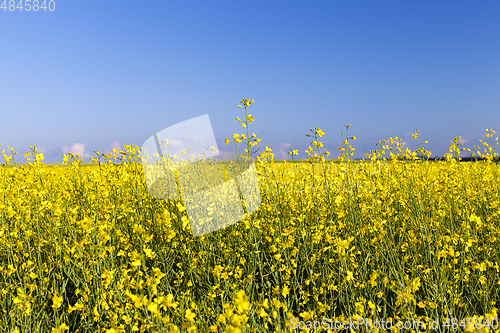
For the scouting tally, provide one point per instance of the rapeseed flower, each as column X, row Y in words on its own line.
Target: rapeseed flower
column 396, row 234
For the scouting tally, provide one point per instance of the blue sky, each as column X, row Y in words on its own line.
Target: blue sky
column 100, row 74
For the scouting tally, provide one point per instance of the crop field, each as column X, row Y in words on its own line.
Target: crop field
column 394, row 237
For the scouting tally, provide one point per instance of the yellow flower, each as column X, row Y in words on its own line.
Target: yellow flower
column 226, row 141
column 241, row 301
column 307, row 315
column 285, row 291
column 168, row 302
column 153, row 308
column 359, row 307
column 138, row 301
column 149, row 253
column 135, row 259
column 62, row 327
column 482, row 266
column 246, row 102
column 190, row 315
column 56, row 302
column 76, row 307
column 262, row 313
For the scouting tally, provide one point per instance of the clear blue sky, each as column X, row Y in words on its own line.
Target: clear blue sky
column 97, row 74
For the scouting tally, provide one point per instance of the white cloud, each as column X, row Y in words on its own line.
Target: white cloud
column 175, row 143
column 463, row 141
column 77, row 148
column 281, row 153
column 197, row 138
column 115, row 145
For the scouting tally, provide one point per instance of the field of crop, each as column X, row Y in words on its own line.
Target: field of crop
column 394, row 237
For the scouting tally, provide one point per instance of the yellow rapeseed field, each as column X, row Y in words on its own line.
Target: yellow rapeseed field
column 393, row 237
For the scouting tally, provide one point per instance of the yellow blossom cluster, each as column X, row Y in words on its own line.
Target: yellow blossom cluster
column 396, row 237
